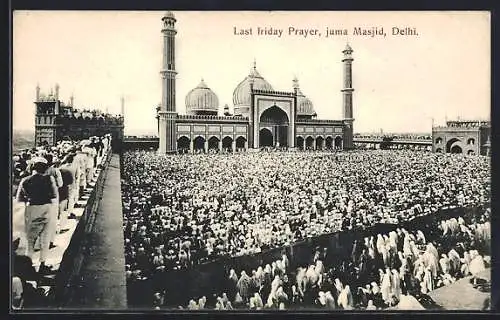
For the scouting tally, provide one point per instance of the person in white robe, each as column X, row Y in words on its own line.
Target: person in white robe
column 445, row 264
column 386, row 287
column 338, row 286
column 396, row 285
column 345, row 299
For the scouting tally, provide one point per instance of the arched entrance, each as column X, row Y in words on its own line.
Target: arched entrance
column 299, row 143
column 471, row 152
column 320, row 143
column 265, row 138
column 277, row 121
column 338, row 143
column 449, row 145
column 309, row 143
column 183, row 144
column 227, row 144
column 240, row 143
column 456, row 149
column 199, row 143
column 329, row 143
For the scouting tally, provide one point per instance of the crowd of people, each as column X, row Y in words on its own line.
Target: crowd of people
column 48, row 182
column 382, row 272
column 184, row 210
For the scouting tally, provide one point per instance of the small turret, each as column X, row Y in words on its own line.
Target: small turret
column 226, row 110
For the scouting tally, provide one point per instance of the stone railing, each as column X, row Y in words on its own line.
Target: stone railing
column 67, row 278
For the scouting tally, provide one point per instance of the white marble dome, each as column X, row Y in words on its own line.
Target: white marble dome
column 304, row 105
column 202, row 100
column 241, row 95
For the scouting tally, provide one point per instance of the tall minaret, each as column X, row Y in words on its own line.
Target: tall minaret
column 167, row 113
column 347, row 98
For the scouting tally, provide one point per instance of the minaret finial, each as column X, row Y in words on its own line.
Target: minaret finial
column 295, row 82
column 37, row 92
column 254, row 64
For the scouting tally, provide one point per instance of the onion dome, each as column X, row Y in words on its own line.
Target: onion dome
column 241, row 95
column 304, row 105
column 202, row 100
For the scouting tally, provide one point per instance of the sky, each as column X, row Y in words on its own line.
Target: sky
column 401, row 82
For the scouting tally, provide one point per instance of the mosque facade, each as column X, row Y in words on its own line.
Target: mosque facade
column 262, row 116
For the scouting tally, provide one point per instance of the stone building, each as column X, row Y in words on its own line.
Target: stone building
column 471, row 137
column 263, row 116
column 56, row 121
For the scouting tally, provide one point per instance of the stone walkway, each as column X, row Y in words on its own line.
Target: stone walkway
column 103, row 284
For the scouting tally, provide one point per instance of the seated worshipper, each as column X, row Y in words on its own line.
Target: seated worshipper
column 39, row 192
column 476, row 265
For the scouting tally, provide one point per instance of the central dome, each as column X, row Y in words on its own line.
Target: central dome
column 241, row 95
column 202, row 100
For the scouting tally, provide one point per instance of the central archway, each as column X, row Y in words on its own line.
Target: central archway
column 266, row 138
column 450, row 146
column 277, row 120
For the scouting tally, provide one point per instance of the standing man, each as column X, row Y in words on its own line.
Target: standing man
column 81, row 161
column 70, row 163
column 39, row 192
column 90, row 151
column 68, row 173
column 54, row 172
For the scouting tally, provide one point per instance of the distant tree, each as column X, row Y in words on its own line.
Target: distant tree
column 386, row 143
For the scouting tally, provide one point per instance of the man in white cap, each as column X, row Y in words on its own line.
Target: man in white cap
column 39, row 192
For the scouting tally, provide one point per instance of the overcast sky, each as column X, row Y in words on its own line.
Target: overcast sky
column 400, row 81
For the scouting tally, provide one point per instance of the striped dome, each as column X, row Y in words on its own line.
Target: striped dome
column 202, row 100
column 304, row 105
column 241, row 95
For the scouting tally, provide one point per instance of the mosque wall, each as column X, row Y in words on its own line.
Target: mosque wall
column 214, row 129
